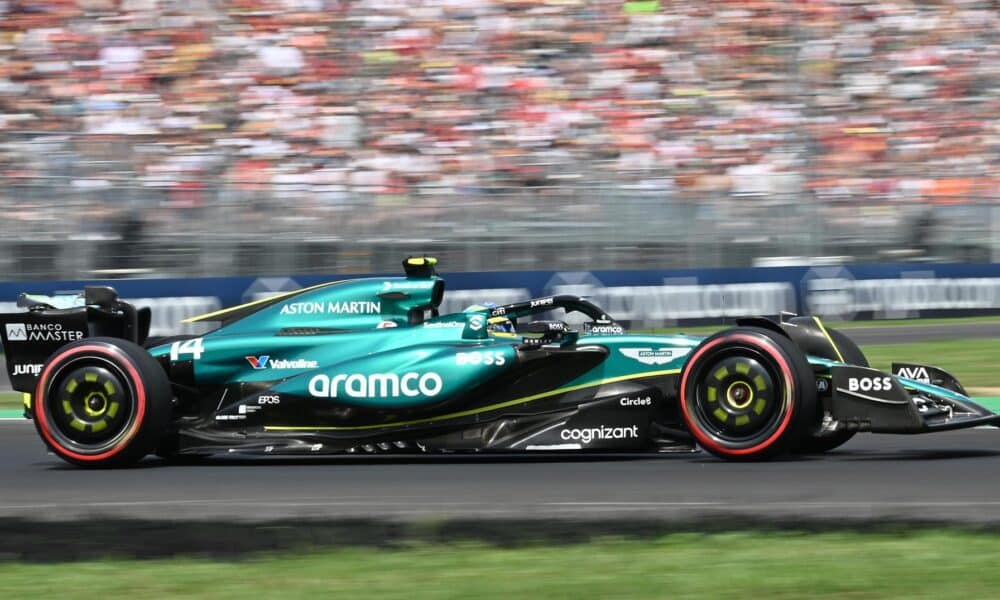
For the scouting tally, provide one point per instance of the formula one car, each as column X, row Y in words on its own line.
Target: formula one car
column 369, row 366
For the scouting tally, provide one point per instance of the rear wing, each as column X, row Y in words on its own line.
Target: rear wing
column 50, row 322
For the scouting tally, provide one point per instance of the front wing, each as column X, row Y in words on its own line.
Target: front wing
column 865, row 399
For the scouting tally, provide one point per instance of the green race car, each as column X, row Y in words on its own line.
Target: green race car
column 369, row 366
